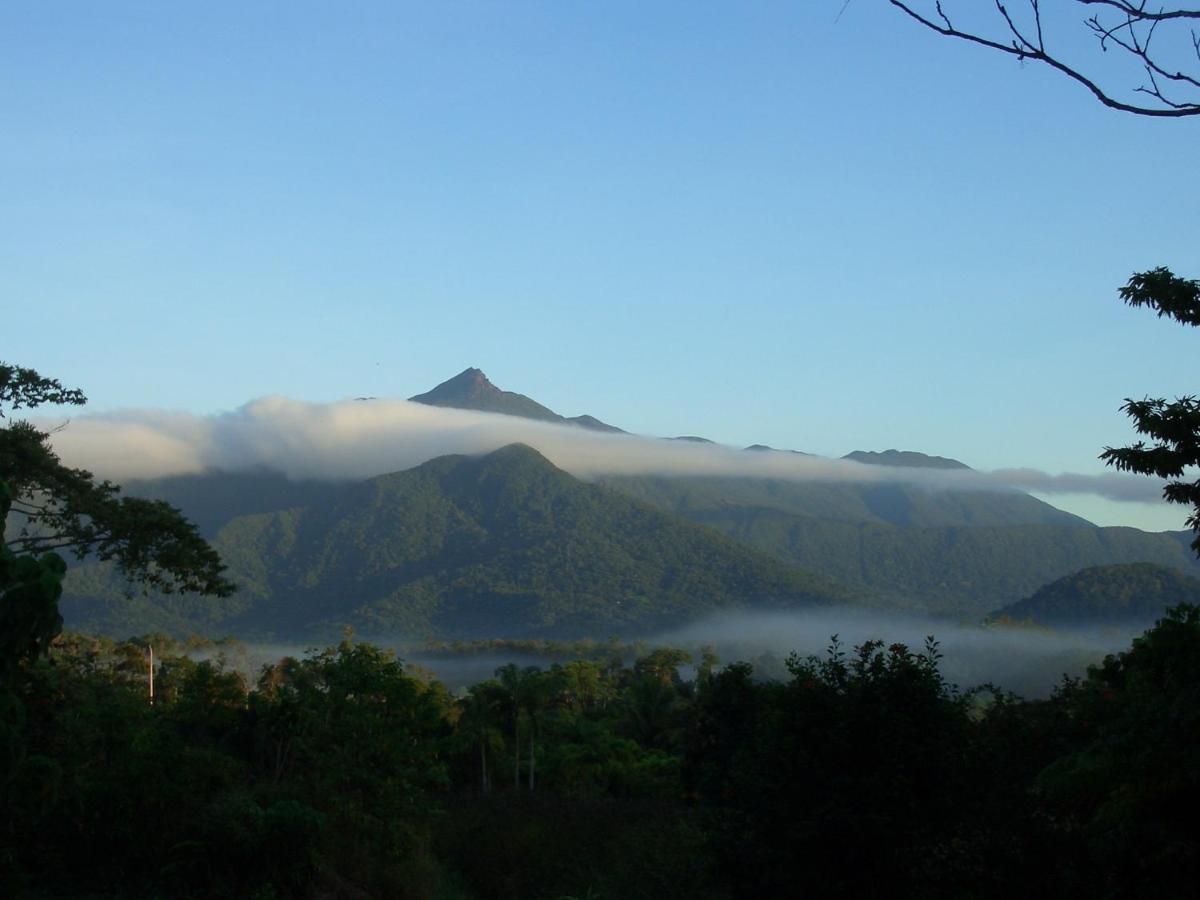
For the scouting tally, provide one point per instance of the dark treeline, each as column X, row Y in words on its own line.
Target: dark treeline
column 343, row 774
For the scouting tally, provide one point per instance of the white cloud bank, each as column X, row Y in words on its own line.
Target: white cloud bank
column 356, row 439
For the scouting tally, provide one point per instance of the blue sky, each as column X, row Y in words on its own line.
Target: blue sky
column 746, row 221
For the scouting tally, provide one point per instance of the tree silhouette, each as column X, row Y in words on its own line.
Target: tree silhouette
column 48, row 507
column 1174, row 427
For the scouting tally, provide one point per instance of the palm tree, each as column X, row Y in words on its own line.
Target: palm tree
column 480, row 712
column 516, row 682
column 540, row 688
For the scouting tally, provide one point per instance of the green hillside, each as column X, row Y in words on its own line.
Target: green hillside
column 1136, row 593
column 957, row 552
column 212, row 499
column 961, row 552
column 504, row 544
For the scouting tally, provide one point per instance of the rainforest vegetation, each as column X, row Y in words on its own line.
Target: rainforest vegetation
column 343, row 774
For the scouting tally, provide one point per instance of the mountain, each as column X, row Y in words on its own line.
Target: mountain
column 960, row 552
column 1133, row 594
column 471, row 389
column 593, row 423
column 956, row 570
column 763, row 448
column 212, row 499
column 954, row 552
column 957, row 552
column 894, row 503
column 905, row 459
column 499, row 545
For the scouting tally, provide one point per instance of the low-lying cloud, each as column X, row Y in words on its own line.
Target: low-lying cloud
column 1030, row 662
column 1111, row 486
column 353, row 439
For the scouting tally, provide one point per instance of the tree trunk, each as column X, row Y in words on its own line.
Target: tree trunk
column 531, row 761
column 483, row 779
column 517, row 755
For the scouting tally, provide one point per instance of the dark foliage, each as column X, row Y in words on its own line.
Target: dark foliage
column 341, row 774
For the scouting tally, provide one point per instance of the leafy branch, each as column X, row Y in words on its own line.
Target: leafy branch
column 58, row 508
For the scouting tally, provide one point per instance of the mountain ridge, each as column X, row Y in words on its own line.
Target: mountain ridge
column 904, row 459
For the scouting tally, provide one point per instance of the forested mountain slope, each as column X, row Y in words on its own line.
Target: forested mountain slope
column 893, row 503
column 504, row 544
column 958, row 552
column 1132, row 594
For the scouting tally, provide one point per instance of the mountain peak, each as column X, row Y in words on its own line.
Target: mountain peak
column 906, row 459
column 763, row 448
column 468, row 385
column 471, row 389
column 516, row 452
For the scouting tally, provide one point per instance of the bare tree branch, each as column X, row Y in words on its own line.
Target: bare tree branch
column 1132, row 33
column 1140, row 12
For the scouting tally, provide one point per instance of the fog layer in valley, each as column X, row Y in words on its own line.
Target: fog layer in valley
column 1028, row 661
column 361, row 439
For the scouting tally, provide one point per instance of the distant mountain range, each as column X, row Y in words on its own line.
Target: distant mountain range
column 1132, row 594
column 507, row 544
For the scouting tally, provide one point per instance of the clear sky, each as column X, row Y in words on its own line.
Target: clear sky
column 744, row 221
